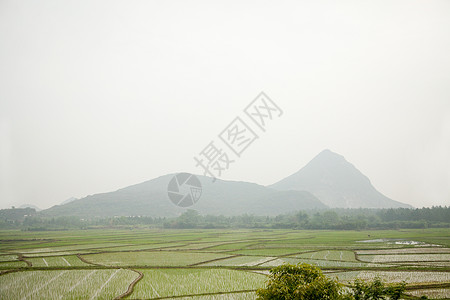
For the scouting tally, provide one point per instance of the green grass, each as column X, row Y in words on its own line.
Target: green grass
column 405, row 258
column 321, row 263
column 153, row 258
column 437, row 293
column 238, row 261
column 175, row 282
column 340, row 255
column 57, row 261
column 12, row 264
column 233, row 246
column 207, row 246
column 268, row 251
column 76, row 284
column 8, row 258
column 208, row 264
column 142, row 247
column 72, row 248
column 398, row 276
column 227, row 296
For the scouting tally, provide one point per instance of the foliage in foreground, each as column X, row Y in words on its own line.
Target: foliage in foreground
column 306, row 282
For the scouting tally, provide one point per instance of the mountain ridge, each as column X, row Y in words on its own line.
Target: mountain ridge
column 327, row 181
column 150, row 198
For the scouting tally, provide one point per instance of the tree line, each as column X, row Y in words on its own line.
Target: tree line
column 336, row 219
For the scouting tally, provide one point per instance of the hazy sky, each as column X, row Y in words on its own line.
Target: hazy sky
column 99, row 95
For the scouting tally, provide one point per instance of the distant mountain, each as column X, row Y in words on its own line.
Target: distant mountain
column 326, row 181
column 222, row 197
column 16, row 214
column 68, row 200
column 337, row 183
column 30, row 206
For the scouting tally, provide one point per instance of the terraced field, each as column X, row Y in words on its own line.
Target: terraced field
column 66, row 284
column 210, row 264
column 56, row 261
column 178, row 282
column 152, row 258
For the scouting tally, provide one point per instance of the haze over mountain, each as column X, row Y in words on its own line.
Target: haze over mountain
column 326, row 181
column 68, row 200
column 337, row 183
column 222, row 197
column 30, row 206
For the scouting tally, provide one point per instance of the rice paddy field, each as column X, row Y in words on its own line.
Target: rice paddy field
column 211, row 264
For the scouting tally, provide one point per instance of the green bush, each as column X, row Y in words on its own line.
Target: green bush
column 377, row 290
column 300, row 281
column 307, row 282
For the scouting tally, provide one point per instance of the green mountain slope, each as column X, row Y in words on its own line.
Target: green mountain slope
column 222, row 197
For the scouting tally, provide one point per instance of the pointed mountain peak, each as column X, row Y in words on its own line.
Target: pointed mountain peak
column 328, row 155
column 337, row 183
column 327, row 152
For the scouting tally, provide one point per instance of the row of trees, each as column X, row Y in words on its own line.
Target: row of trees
column 340, row 219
